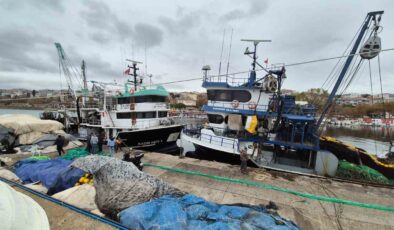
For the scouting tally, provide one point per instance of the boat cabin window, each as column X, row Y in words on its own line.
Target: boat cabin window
column 151, row 98
column 162, row 113
column 141, row 99
column 124, row 100
column 229, row 95
column 139, row 115
column 123, row 115
column 215, row 118
column 146, row 115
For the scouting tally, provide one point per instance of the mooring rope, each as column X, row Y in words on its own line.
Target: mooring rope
column 266, row 186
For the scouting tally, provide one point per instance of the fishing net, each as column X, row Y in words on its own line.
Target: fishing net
column 360, row 172
column 40, row 158
column 80, row 152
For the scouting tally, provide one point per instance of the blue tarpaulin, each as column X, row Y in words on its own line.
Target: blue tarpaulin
column 192, row 212
column 56, row 175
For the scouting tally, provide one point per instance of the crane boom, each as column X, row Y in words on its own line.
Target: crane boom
column 370, row 16
column 72, row 76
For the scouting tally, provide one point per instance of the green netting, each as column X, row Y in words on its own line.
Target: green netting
column 80, row 152
column 39, row 158
column 360, row 172
column 266, row 186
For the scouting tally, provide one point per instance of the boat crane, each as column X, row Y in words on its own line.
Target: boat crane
column 73, row 77
column 369, row 50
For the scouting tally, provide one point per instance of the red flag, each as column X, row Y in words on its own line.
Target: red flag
column 127, row 71
column 266, row 61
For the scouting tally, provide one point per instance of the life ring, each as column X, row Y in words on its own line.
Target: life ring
column 131, row 91
column 252, row 105
column 235, row 104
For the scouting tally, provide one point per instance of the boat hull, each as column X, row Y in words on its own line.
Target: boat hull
column 151, row 139
column 216, row 155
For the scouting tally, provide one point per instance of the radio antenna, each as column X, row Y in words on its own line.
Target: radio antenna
column 221, row 53
column 229, row 51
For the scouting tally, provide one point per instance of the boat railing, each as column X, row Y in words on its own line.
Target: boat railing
column 137, row 106
column 215, row 140
column 142, row 124
column 73, row 105
column 231, row 79
column 91, row 105
column 91, row 121
column 242, row 106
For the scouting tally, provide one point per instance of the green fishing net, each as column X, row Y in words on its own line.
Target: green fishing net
column 360, row 172
column 40, row 158
column 80, row 152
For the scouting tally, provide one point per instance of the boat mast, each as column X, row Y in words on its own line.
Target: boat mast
column 252, row 77
column 134, row 68
column 83, row 70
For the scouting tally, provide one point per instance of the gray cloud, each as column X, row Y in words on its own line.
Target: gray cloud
column 182, row 36
column 56, row 5
column 256, row 7
column 100, row 37
column 148, row 35
column 98, row 15
column 22, row 50
column 183, row 23
column 97, row 68
column 26, row 81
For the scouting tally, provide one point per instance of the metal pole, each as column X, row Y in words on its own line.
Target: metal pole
column 135, row 75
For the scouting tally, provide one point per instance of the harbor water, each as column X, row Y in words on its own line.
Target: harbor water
column 20, row 111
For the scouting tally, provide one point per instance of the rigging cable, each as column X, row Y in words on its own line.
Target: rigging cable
column 384, row 107
column 344, row 52
column 380, row 79
column 289, row 65
column 370, row 78
column 373, row 120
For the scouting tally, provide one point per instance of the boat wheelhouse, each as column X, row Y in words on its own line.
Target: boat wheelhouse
column 140, row 118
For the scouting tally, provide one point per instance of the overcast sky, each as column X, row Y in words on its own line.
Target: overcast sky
column 182, row 36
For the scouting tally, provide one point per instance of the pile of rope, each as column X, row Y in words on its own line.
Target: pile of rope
column 360, row 172
column 80, row 152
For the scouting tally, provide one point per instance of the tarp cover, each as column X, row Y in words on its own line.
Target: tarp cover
column 120, row 184
column 81, row 196
column 53, row 174
column 192, row 212
column 7, row 137
column 23, row 123
column 29, row 128
column 18, row 211
column 7, row 174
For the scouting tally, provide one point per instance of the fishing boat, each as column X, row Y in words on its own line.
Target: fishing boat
column 250, row 113
column 132, row 112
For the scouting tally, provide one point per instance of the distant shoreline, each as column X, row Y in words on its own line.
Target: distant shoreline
column 22, row 108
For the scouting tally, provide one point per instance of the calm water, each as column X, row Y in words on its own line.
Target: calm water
column 373, row 139
column 35, row 113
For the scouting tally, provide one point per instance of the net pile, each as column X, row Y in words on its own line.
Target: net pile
column 81, row 152
column 360, row 172
column 39, row 158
